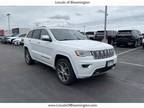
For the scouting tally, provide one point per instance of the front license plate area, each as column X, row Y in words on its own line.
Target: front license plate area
column 129, row 43
column 110, row 63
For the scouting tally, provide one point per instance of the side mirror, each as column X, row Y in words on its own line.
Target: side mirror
column 46, row 38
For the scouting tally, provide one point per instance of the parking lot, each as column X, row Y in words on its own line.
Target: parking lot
column 38, row 83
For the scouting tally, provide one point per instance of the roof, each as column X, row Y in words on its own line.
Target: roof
column 45, row 27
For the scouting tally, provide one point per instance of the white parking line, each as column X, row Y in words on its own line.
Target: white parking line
column 128, row 51
column 133, row 64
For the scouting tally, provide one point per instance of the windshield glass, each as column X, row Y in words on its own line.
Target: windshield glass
column 100, row 33
column 65, row 34
column 22, row 35
column 125, row 32
column 13, row 35
column 89, row 33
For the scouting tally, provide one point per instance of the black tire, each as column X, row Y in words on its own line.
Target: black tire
column 28, row 58
column 12, row 41
column 143, row 46
column 135, row 44
column 65, row 71
column 139, row 43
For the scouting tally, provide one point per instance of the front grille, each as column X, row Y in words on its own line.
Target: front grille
column 102, row 54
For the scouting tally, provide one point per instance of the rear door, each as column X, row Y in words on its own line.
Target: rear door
column 27, row 40
column 35, row 41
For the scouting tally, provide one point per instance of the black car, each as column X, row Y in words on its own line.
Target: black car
column 110, row 35
column 129, row 37
column 90, row 35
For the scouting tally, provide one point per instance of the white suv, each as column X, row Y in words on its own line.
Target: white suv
column 143, row 43
column 69, row 52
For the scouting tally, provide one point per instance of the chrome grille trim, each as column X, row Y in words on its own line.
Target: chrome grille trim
column 102, row 54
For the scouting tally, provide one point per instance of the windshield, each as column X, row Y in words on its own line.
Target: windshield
column 125, row 32
column 65, row 34
column 22, row 35
column 13, row 35
column 89, row 33
column 100, row 33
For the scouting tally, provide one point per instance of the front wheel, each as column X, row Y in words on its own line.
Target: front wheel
column 11, row 42
column 28, row 58
column 135, row 44
column 65, row 71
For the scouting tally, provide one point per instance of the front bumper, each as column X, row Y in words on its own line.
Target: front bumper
column 125, row 42
column 8, row 40
column 88, row 68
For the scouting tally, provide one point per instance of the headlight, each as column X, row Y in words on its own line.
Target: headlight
column 143, row 41
column 83, row 53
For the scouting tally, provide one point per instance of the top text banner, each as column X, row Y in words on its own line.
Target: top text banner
column 71, row 2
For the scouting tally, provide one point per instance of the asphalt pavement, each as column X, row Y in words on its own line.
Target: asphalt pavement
column 38, row 83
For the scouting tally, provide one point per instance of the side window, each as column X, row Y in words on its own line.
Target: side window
column 36, row 34
column 137, row 33
column 44, row 32
column 134, row 32
column 30, row 34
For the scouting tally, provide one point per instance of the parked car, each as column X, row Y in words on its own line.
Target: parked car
column 69, row 52
column 110, row 35
column 129, row 37
column 19, row 40
column 143, row 43
column 90, row 35
column 12, row 38
column 4, row 39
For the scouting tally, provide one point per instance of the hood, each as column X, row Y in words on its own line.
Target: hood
column 11, row 37
column 17, row 38
column 85, row 44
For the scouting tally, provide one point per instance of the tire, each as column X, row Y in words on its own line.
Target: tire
column 135, row 44
column 143, row 46
column 65, row 71
column 139, row 43
column 12, row 41
column 28, row 58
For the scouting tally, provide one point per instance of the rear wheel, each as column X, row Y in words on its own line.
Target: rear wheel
column 135, row 44
column 65, row 71
column 28, row 58
column 12, row 41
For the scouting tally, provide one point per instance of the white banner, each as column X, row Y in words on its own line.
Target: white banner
column 71, row 2
column 71, row 105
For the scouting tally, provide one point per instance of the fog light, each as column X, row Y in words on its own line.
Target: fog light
column 85, row 65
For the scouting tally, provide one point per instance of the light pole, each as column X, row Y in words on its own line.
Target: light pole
column 105, row 24
column 9, row 29
column 84, row 28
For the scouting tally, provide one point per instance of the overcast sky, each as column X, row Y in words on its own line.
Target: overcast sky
column 92, row 17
